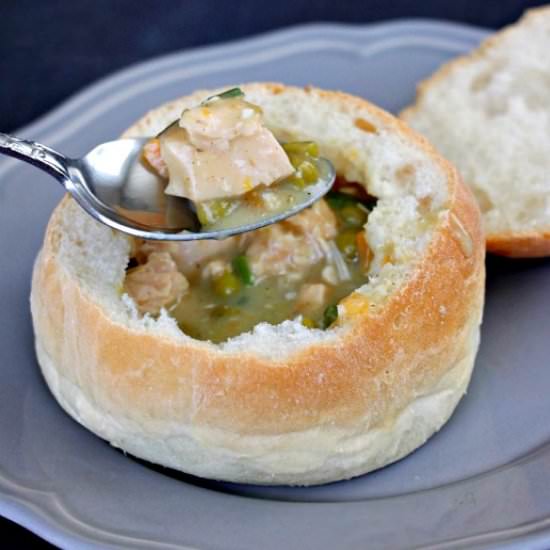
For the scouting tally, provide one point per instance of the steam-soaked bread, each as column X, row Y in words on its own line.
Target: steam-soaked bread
column 281, row 404
column 489, row 113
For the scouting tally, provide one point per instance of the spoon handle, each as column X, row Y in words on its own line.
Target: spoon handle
column 48, row 160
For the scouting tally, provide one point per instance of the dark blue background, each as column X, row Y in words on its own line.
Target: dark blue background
column 50, row 49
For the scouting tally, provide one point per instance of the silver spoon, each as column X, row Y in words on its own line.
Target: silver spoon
column 113, row 186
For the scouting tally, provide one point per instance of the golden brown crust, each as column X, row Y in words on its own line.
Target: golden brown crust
column 365, row 376
column 535, row 244
column 528, row 244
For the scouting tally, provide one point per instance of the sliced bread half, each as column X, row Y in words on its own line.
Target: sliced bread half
column 489, row 114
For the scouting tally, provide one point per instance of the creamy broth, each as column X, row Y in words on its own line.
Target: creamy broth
column 206, row 316
column 221, row 157
column 261, row 204
column 296, row 269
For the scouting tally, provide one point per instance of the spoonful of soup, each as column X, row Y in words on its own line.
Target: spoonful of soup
column 216, row 171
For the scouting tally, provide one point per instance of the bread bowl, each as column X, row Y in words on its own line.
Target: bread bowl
column 283, row 403
column 488, row 112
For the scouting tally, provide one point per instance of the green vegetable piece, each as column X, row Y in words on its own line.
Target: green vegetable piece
column 308, row 171
column 347, row 244
column 226, row 284
column 296, row 180
column 299, row 154
column 338, row 200
column 330, row 315
column 295, row 160
column 233, row 92
column 241, row 268
column 210, row 212
column 302, row 148
column 353, row 215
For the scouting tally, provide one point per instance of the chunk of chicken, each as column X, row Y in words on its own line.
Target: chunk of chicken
column 277, row 251
column 220, row 150
column 312, row 298
column 142, row 249
column 292, row 247
column 319, row 221
column 214, row 123
column 191, row 256
column 156, row 284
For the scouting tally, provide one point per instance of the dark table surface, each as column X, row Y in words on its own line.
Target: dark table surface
column 50, row 49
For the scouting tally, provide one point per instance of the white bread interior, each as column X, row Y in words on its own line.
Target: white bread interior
column 281, row 404
column 489, row 114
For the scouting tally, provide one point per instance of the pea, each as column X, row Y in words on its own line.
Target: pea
column 347, row 244
column 241, row 267
column 353, row 215
column 302, row 148
column 226, row 284
column 308, row 322
column 308, row 171
column 295, row 159
column 330, row 315
column 296, row 180
column 211, row 211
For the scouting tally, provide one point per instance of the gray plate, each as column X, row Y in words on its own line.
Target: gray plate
column 483, row 481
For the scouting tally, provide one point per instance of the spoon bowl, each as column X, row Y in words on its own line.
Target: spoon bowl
column 114, row 186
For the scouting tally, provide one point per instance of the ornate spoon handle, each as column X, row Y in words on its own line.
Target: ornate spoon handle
column 48, row 160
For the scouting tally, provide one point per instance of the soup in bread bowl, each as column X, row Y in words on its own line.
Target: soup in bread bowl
column 310, row 351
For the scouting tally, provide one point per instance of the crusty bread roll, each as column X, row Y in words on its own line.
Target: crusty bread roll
column 281, row 404
column 489, row 113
